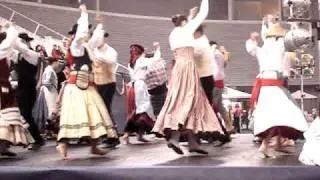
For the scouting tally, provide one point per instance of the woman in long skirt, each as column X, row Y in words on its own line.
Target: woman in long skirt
column 13, row 128
column 186, row 109
column 83, row 113
column 275, row 114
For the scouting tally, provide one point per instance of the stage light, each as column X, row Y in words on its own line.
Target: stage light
column 297, row 8
column 298, row 38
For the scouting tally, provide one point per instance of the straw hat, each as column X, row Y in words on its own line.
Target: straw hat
column 276, row 30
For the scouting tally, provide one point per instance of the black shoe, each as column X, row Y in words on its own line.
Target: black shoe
column 200, row 151
column 112, row 143
column 175, row 148
column 8, row 154
column 35, row 146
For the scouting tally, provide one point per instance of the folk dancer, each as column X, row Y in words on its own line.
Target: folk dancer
column 27, row 92
column 13, row 127
column 83, row 113
column 104, row 69
column 45, row 109
column 156, row 80
column 275, row 113
column 220, row 61
column 140, row 112
column 186, row 108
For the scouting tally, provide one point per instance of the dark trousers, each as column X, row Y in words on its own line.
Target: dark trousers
column 26, row 98
column 107, row 92
column 236, row 124
column 158, row 97
column 208, row 85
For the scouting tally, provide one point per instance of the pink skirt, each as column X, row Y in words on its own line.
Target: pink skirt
column 186, row 104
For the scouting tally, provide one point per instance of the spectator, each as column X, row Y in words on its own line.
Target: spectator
column 237, row 113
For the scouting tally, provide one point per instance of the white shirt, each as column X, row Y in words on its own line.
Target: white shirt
column 203, row 56
column 183, row 36
column 141, row 67
column 12, row 43
column 270, row 56
column 77, row 48
column 102, row 51
column 218, row 65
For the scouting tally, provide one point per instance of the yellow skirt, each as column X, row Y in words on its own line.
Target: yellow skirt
column 83, row 114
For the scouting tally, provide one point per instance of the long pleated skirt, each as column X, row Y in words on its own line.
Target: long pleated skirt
column 186, row 104
column 83, row 114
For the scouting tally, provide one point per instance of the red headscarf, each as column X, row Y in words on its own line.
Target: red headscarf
column 135, row 52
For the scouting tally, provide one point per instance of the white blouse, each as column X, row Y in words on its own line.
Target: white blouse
column 271, row 56
column 183, row 36
column 218, row 65
column 140, row 69
column 77, row 45
column 13, row 43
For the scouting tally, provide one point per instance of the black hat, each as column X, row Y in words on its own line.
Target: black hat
column 75, row 28
column 3, row 36
column 25, row 37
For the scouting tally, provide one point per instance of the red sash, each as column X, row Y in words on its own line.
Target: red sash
column 257, row 86
column 219, row 84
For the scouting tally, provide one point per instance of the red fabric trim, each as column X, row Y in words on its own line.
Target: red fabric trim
column 73, row 78
column 130, row 102
column 69, row 58
column 257, row 86
column 219, row 84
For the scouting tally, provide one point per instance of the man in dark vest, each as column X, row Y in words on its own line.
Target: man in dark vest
column 26, row 92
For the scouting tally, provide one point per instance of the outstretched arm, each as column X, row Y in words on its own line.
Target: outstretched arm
column 8, row 42
column 98, row 35
column 83, row 22
column 29, row 55
column 193, row 24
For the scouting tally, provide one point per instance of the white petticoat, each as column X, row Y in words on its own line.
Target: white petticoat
column 275, row 107
column 142, row 99
column 310, row 153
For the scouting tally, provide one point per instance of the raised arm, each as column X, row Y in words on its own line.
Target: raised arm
column 252, row 44
column 29, row 55
column 147, row 61
column 8, row 42
column 193, row 24
column 263, row 32
column 97, row 37
column 98, row 34
column 82, row 32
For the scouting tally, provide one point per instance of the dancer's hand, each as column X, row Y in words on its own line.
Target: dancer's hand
column 193, row 12
column 254, row 36
column 156, row 45
column 83, row 8
column 99, row 19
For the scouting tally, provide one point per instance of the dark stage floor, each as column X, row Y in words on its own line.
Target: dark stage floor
column 241, row 152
